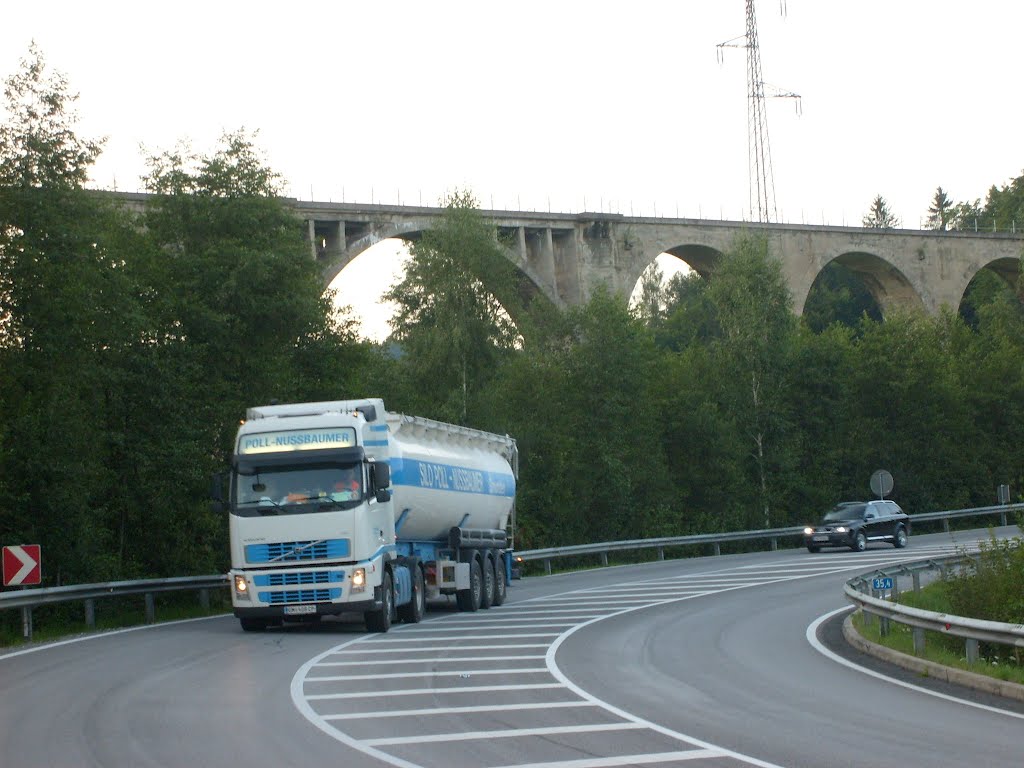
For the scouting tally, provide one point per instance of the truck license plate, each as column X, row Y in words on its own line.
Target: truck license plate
column 299, row 610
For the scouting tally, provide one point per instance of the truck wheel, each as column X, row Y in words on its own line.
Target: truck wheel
column 469, row 599
column 500, row 587
column 253, row 625
column 901, row 538
column 487, row 594
column 412, row 612
column 380, row 621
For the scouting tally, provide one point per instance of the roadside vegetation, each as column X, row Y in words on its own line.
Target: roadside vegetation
column 132, row 342
column 990, row 587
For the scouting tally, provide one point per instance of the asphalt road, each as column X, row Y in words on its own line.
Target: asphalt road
column 704, row 661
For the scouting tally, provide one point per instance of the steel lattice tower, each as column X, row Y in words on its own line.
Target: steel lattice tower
column 759, row 153
column 759, row 161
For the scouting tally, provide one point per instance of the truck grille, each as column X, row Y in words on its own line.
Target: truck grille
column 295, row 551
column 294, row 579
column 299, row 596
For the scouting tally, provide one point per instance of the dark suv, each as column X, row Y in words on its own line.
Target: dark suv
column 854, row 523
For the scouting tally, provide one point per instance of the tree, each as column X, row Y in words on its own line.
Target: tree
column 940, row 212
column 39, row 147
column 879, row 216
column 754, row 311
column 452, row 329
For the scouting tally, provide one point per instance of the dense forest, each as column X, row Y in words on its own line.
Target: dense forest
column 131, row 344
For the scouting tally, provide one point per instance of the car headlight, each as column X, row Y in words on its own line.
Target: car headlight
column 841, row 529
column 808, row 531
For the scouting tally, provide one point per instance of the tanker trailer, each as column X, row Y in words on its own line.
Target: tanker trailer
column 341, row 507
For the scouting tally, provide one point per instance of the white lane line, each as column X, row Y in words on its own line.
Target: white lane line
column 459, row 710
column 504, row 624
column 431, row 673
column 704, row 749
column 611, row 762
column 430, row 660
column 507, row 734
column 812, row 638
column 431, row 691
column 378, row 640
column 376, row 651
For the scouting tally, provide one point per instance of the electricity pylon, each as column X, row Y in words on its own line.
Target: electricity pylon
column 759, row 153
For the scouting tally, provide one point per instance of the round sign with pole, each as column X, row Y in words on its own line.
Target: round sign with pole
column 881, row 483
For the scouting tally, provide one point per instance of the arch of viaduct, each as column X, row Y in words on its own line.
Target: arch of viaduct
column 565, row 256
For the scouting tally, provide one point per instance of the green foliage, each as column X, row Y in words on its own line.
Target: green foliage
column 991, row 586
column 455, row 303
column 879, row 216
column 838, row 296
column 940, row 212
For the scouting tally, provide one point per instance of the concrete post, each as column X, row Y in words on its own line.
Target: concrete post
column 311, row 232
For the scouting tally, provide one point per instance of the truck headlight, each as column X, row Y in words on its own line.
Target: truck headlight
column 241, row 588
column 358, row 580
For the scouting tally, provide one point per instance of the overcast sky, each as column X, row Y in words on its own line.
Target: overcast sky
column 615, row 106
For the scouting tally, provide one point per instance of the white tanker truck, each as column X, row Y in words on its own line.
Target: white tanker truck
column 341, row 507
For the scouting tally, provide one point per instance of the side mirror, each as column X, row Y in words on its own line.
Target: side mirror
column 381, row 475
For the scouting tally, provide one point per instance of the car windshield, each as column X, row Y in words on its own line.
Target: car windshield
column 848, row 510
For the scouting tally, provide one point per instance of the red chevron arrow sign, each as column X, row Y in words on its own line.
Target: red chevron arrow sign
column 22, row 565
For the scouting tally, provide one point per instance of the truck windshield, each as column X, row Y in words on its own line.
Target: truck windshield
column 298, row 489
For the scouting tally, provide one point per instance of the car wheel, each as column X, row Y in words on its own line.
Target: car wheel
column 813, row 549
column 901, row 538
column 860, row 542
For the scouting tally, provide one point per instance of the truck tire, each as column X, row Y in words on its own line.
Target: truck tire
column 469, row 599
column 253, row 625
column 487, row 593
column 500, row 587
column 380, row 620
column 412, row 612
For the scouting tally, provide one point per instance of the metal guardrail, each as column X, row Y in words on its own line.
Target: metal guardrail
column 27, row 599
column 860, row 590
column 716, row 539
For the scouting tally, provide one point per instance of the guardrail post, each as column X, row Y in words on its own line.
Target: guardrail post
column 26, row 622
column 90, row 613
column 547, row 566
column 204, row 599
column 661, row 553
column 604, row 558
column 150, row 608
column 869, row 618
column 917, row 581
column 972, row 650
column 918, row 634
column 1002, row 519
column 945, row 524
column 718, row 549
column 883, row 625
column 774, row 544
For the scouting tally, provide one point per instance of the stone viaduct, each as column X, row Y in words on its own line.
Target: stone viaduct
column 564, row 256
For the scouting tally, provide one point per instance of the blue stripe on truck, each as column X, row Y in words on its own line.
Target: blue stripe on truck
column 448, row 477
